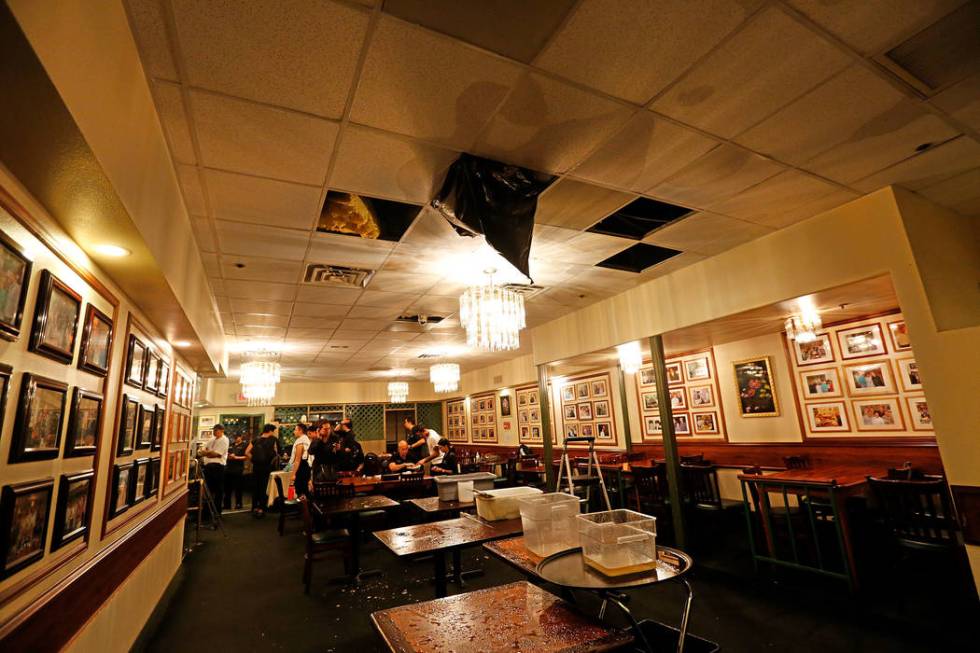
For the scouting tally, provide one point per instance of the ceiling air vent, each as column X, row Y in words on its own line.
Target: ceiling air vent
column 429, row 355
column 336, row 276
column 420, row 319
column 526, row 289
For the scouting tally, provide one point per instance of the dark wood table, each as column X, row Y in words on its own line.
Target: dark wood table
column 433, row 506
column 513, row 551
column 504, row 619
column 442, row 537
column 370, row 484
column 354, row 506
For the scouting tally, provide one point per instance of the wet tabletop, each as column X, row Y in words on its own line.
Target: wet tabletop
column 355, row 504
column 449, row 533
column 433, row 504
column 842, row 475
column 514, row 618
column 568, row 569
column 513, row 552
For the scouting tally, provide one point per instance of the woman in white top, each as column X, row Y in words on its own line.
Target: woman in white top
column 298, row 462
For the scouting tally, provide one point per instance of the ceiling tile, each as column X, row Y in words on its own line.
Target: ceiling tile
column 259, row 140
column 672, row 264
column 260, row 331
column 383, row 313
column 211, row 266
column 224, row 307
column 260, row 290
column 577, row 205
column 315, row 335
column 824, row 117
column 394, row 336
column 634, row 49
column 317, row 323
column 353, row 324
column 769, row 201
column 737, row 85
column 336, row 249
column 149, row 22
column 291, row 53
column 170, row 106
column 260, row 269
column 320, row 310
column 928, row 168
column 320, row 295
column 422, row 84
column 645, row 152
column 344, row 335
column 960, row 193
column 217, row 286
column 261, row 319
column 871, row 26
column 393, row 300
column 378, row 164
column 240, row 198
column 190, row 185
column 202, row 231
column 434, row 304
column 818, row 206
column 589, row 248
column 706, row 233
column 239, row 305
column 718, row 175
column 962, row 101
column 549, row 126
column 403, row 282
column 429, row 233
column 256, row 240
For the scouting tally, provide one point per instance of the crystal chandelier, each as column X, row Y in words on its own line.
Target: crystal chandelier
column 397, row 392
column 630, row 357
column 492, row 316
column 258, row 376
column 803, row 328
column 445, row 377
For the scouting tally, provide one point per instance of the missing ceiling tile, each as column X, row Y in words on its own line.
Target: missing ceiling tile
column 638, row 258
column 360, row 216
column 639, row 218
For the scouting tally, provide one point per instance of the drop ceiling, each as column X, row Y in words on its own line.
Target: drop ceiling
column 752, row 115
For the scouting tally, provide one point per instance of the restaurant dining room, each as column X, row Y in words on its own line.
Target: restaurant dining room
column 486, row 326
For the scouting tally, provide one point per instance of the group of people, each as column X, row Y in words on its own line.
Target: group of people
column 223, row 465
column 423, row 445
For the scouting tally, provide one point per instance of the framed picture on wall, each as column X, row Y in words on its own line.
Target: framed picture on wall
column 820, row 384
column 152, row 379
column 702, row 396
column 536, row 432
column 900, row 335
column 706, row 423
column 159, row 421
column 568, row 393
column 651, row 426
column 96, row 342
column 128, row 425
column 908, row 371
column 15, row 277
column 145, row 426
column 505, row 406
column 682, row 424
column 121, row 480
column 827, row 417
column 603, row 431
column 570, row 412
column 40, row 419
column 534, row 415
column 585, row 411
column 650, row 401
column 135, row 362
column 601, row 409
column 571, row 430
column 71, row 515
column 678, row 399
column 862, row 341
column 154, row 477
column 84, row 423
column 919, row 413
column 674, row 374
column 599, row 389
column 522, row 399
column 138, row 486
column 56, row 316
column 163, row 386
column 878, row 414
column 815, row 352
column 522, row 416
column 582, row 390
column 6, row 373
column 587, row 430
column 756, row 391
column 647, row 377
column 873, row 378
column 532, row 397
column 24, row 512
column 697, row 369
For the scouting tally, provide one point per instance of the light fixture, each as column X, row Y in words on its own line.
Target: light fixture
column 115, row 251
column 492, row 316
column 259, row 375
column 397, row 392
column 182, row 344
column 445, row 376
column 803, row 327
column 630, row 357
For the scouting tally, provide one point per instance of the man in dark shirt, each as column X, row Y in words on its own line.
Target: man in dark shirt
column 448, row 464
column 234, row 471
column 417, row 449
column 401, row 460
column 350, row 455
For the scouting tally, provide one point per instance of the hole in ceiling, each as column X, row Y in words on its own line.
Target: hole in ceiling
column 943, row 53
column 923, row 147
column 360, row 216
column 638, row 258
column 639, row 218
column 239, row 265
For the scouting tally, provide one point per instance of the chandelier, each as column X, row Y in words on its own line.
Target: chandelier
column 803, row 328
column 492, row 316
column 445, row 377
column 259, row 376
column 397, row 392
column 630, row 357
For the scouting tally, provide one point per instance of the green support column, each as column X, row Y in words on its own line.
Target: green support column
column 626, row 411
column 670, row 441
column 544, row 403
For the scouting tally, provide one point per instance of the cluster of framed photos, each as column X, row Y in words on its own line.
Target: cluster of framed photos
column 483, row 418
column 586, row 408
column 860, row 378
column 456, row 420
column 695, row 402
column 133, row 482
column 529, row 415
column 183, row 394
column 145, row 368
column 177, row 466
column 180, row 427
column 141, row 426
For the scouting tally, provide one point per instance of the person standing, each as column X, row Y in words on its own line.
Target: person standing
column 264, row 454
column 321, row 451
column 298, row 464
column 234, row 471
column 350, row 455
column 432, row 439
column 215, row 453
column 416, row 441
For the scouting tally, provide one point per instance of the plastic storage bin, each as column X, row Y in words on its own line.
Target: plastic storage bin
column 618, row 542
column 494, row 505
column 447, row 485
column 549, row 522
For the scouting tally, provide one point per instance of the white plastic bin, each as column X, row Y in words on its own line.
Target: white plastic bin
column 495, row 505
column 618, row 542
column 447, row 485
column 549, row 522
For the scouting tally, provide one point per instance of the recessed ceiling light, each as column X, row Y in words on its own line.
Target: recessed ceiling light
column 182, row 344
column 115, row 251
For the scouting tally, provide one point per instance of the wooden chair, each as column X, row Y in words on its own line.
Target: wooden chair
column 695, row 459
column 919, row 514
column 286, row 506
column 906, row 473
column 650, row 489
column 699, row 487
column 797, row 462
column 372, row 465
column 318, row 544
column 327, row 491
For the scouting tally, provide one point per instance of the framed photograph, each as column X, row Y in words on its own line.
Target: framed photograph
column 534, row 415
column 152, row 380
column 6, row 374
column 908, row 371
column 56, row 316
column 145, row 426
column 814, row 353
column 827, row 417
column 492, row 433
column 861, row 341
column 756, row 393
column 674, row 374
column 135, row 362
column 582, row 390
column 15, row 277
column 603, row 431
column 121, row 481
column 702, row 396
column 900, row 335
column 568, row 393
column 522, row 416
column 159, row 421
column 139, row 484
column 585, row 411
column 706, row 423
column 697, row 369
column 128, row 426
column 651, row 426
column 571, row 430
column 71, row 515
column 878, row 414
column 40, row 419
column 483, row 418
column 522, row 399
column 873, row 378
column 154, row 474
column 505, row 406
column 84, row 423
column 163, row 386
column 24, row 512
column 491, row 405
column 96, row 342
column 820, row 384
column 532, row 397
column 536, row 432
column 600, row 389
column 919, row 412
column 650, row 401
column 587, row 430
column 570, row 412
column 601, row 408
column 524, row 433
column 678, row 399
column 647, row 377
column 682, row 424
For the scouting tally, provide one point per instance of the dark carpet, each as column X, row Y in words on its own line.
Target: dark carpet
column 244, row 593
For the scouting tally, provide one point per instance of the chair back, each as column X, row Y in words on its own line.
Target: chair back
column 797, row 462
column 308, row 527
column 651, row 485
column 695, row 459
column 282, row 493
column 918, row 512
column 409, row 486
column 469, row 468
column 906, row 473
column 372, row 464
column 323, row 491
column 699, row 484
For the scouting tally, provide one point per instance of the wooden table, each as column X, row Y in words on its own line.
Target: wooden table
column 505, row 619
column 354, row 506
column 433, row 506
column 513, row 551
column 442, row 537
column 369, row 484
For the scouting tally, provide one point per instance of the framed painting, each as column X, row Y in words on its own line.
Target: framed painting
column 154, row 475
column 522, row 399
column 582, row 390
column 674, row 373
column 96, row 342
column 706, row 423
column 56, row 317
column 899, row 332
column 6, row 374
column 15, row 277
column 24, row 512
column 505, row 406
column 600, row 389
column 570, row 412
column 878, row 414
column 874, row 378
column 71, row 515
column 532, row 397
column 908, row 372
column 587, row 430
column 145, row 426
column 151, row 381
column 40, row 419
column 651, row 427
column 84, row 423
column 121, row 481
column 159, row 421
column 601, row 409
column 697, row 369
column 135, row 362
column 820, row 384
column 138, row 485
column 701, row 396
column 650, row 402
column 862, row 341
column 756, row 393
column 163, row 385
column 534, row 415
column 829, row 417
column 522, row 416
column 919, row 413
column 815, row 352
column 128, row 425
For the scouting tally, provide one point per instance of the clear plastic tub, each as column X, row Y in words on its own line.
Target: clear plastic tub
column 447, row 485
column 549, row 522
column 618, row 542
column 495, row 505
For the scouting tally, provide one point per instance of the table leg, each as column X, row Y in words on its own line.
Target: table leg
column 844, row 533
column 355, row 532
column 439, row 563
column 458, row 568
column 685, row 615
column 642, row 638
